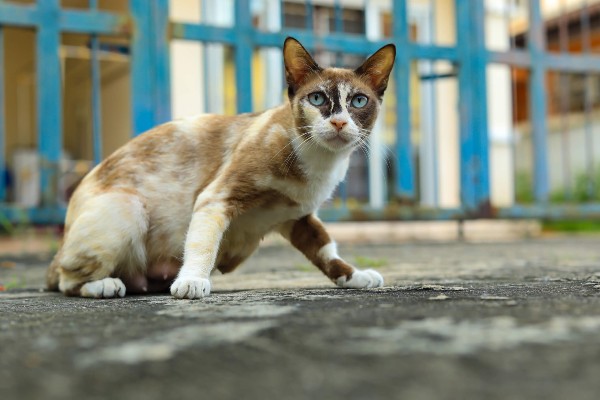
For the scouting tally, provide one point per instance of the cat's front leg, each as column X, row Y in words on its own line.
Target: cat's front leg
column 310, row 237
column 208, row 224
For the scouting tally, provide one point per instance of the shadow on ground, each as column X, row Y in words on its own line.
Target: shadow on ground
column 455, row 321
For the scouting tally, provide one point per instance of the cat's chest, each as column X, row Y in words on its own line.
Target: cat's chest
column 317, row 188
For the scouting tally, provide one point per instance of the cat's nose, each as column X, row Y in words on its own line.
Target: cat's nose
column 338, row 123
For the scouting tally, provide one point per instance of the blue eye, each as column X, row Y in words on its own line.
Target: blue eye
column 316, row 99
column 359, row 101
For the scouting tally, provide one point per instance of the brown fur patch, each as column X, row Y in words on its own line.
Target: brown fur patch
column 271, row 150
column 285, row 164
column 229, row 263
column 212, row 148
column 337, row 268
column 74, row 291
column 141, row 154
column 309, row 235
column 249, row 198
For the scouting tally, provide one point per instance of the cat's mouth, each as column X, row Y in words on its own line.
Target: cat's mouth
column 337, row 140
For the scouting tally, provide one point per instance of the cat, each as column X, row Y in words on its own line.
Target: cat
column 210, row 187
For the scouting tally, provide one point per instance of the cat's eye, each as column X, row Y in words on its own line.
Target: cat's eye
column 359, row 101
column 316, row 99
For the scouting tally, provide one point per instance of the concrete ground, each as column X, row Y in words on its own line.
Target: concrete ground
column 504, row 320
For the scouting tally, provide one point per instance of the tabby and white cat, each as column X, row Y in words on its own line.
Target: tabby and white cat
column 210, row 187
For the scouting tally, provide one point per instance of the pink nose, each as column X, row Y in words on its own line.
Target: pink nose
column 338, row 123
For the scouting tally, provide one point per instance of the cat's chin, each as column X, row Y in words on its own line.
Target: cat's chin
column 337, row 143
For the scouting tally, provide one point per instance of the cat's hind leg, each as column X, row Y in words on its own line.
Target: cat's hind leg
column 106, row 239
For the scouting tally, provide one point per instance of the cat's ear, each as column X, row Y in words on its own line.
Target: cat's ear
column 299, row 65
column 376, row 70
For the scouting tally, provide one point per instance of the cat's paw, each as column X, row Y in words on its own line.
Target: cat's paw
column 190, row 288
column 103, row 289
column 361, row 279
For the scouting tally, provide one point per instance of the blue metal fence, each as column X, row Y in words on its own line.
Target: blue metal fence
column 150, row 31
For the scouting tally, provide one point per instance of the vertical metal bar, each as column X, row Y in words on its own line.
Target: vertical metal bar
column 2, row 122
column 366, row 5
column 432, row 26
column 433, row 97
column 405, row 186
column 507, row 16
column 589, row 137
column 537, row 45
column 243, row 56
column 142, row 76
column 474, row 141
column 564, row 105
column 376, row 152
column 310, row 9
column 49, row 98
column 338, row 17
column 480, row 121
column 338, row 24
column 162, row 61
column 96, row 88
column 585, row 27
column 514, row 98
column 465, row 101
column 589, row 133
column 216, row 14
column 273, row 59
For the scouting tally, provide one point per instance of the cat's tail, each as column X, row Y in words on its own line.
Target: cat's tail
column 52, row 275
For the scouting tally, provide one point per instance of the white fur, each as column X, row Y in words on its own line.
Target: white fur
column 328, row 252
column 190, row 287
column 103, row 289
column 208, row 225
column 108, row 221
column 326, row 171
column 361, row 279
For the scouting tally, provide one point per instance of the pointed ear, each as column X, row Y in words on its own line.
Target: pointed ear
column 298, row 64
column 376, row 70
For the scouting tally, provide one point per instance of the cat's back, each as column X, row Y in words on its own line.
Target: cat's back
column 175, row 159
column 174, row 154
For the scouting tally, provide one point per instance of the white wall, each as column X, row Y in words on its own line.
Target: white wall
column 187, row 87
column 575, row 143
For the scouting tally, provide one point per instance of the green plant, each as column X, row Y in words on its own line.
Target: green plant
column 585, row 189
column 523, row 188
column 305, row 267
column 14, row 283
column 366, row 262
column 581, row 226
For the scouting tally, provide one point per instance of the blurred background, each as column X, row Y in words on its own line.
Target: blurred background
column 493, row 108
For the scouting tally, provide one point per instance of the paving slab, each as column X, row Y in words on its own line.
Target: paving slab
column 511, row 320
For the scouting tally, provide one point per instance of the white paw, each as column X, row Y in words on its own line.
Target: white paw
column 367, row 278
column 190, row 288
column 103, row 289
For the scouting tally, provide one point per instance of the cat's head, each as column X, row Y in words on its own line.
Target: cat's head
column 336, row 107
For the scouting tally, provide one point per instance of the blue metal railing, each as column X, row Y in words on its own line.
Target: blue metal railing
column 2, row 123
column 150, row 32
column 49, row 20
